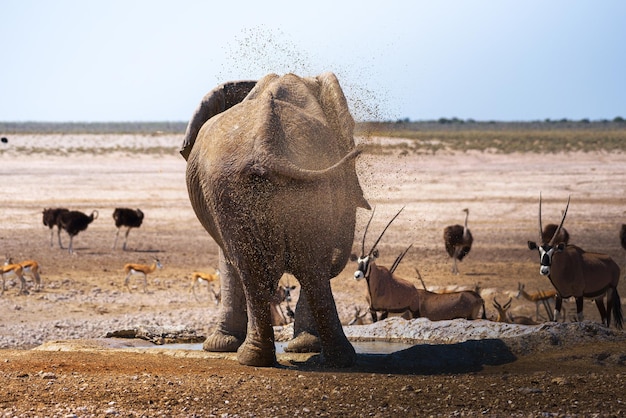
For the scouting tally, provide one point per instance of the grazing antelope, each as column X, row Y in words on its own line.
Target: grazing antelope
column 282, row 294
column 458, row 240
column 51, row 218
column 29, row 268
column 541, row 297
column 200, row 277
column 16, row 270
column 75, row 221
column 581, row 274
column 141, row 269
column 130, row 218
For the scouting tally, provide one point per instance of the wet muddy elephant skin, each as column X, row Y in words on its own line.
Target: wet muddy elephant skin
column 271, row 176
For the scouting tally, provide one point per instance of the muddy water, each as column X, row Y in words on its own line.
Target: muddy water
column 361, row 347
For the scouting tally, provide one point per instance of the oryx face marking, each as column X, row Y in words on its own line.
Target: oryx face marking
column 546, row 253
column 363, row 268
column 545, row 258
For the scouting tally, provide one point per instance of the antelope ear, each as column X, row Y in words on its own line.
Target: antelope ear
column 353, row 257
column 375, row 253
column 532, row 245
column 560, row 247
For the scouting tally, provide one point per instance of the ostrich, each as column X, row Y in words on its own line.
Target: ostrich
column 548, row 233
column 75, row 221
column 130, row 218
column 51, row 218
column 458, row 240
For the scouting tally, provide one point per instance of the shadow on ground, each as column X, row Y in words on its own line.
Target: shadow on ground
column 429, row 359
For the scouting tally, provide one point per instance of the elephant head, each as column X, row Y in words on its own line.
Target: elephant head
column 272, row 178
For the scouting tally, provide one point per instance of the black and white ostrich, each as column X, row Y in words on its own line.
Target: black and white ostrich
column 51, row 218
column 75, row 221
column 548, row 233
column 125, row 217
column 458, row 240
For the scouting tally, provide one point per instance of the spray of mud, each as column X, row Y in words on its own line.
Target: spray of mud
column 259, row 51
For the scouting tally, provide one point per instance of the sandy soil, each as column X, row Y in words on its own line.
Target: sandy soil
column 571, row 371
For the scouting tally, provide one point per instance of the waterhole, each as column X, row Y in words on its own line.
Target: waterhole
column 361, row 347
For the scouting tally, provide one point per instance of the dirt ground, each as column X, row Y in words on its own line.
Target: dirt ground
column 83, row 296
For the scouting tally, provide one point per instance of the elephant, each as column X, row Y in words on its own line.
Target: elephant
column 271, row 176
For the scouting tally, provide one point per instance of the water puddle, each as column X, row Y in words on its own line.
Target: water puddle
column 361, row 347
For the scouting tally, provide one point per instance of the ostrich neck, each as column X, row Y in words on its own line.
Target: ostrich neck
column 465, row 225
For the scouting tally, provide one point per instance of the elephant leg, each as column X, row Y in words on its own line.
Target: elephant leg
column 306, row 338
column 336, row 349
column 232, row 318
column 259, row 283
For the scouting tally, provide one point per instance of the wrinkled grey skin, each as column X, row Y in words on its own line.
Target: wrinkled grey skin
column 271, row 177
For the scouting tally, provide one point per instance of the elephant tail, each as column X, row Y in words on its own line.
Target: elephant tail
column 285, row 168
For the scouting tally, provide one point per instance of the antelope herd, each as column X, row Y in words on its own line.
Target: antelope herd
column 572, row 272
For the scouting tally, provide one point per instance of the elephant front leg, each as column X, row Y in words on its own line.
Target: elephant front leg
column 232, row 321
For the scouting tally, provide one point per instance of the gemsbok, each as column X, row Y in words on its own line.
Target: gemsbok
column 389, row 293
column 577, row 273
column 142, row 270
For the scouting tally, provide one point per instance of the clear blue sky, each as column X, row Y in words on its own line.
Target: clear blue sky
column 136, row 60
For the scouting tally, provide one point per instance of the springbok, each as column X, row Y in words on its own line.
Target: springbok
column 541, row 297
column 392, row 294
column 577, row 273
column 201, row 277
column 282, row 294
column 357, row 319
column 16, row 270
column 140, row 269
column 29, row 268
column 505, row 316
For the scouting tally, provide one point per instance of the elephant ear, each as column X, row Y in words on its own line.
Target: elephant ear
column 335, row 108
column 338, row 115
column 218, row 100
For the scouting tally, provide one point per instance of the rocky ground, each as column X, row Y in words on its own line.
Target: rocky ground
column 452, row 368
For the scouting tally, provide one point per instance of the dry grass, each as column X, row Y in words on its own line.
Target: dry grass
column 499, row 138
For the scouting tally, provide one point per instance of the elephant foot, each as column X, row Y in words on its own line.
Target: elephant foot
column 304, row 343
column 339, row 355
column 221, row 342
column 251, row 354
